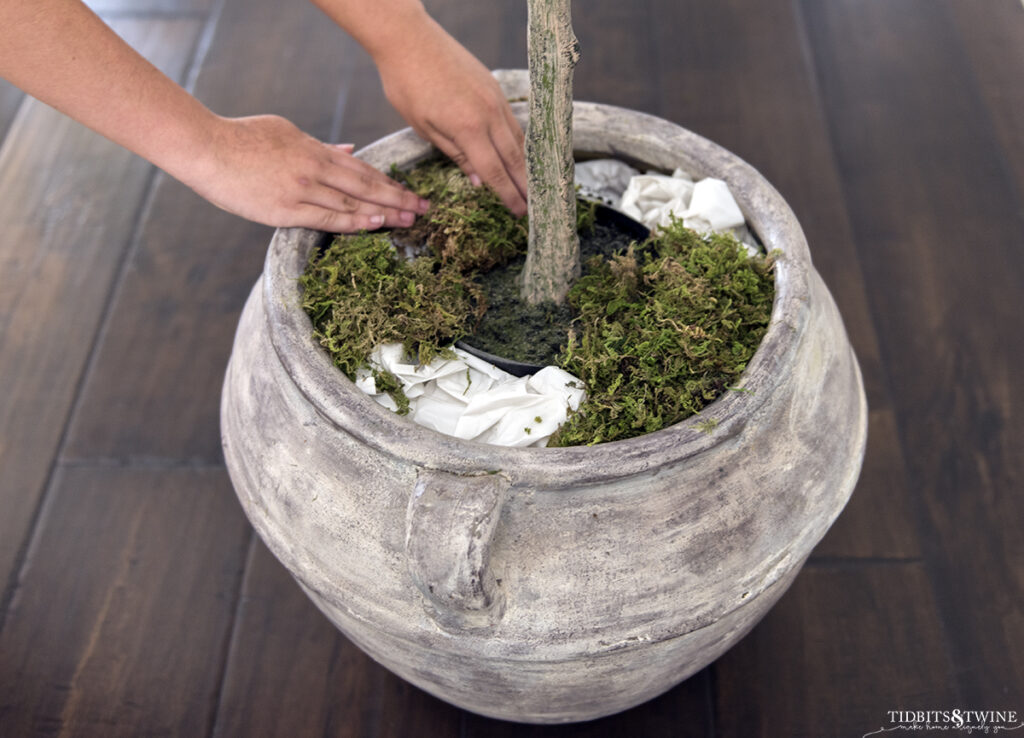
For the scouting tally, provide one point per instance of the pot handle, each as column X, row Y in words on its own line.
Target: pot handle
column 449, row 526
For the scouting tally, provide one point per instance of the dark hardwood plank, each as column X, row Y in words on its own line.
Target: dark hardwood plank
column 936, row 216
column 291, row 672
column 481, row 27
column 122, row 614
column 682, row 712
column 876, row 522
column 155, row 386
column 842, row 647
column 68, row 201
column 737, row 73
column 367, row 114
column 993, row 37
column 619, row 61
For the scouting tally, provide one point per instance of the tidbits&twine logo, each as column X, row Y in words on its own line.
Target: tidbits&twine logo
column 987, row 722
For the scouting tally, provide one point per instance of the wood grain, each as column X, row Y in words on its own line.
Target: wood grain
column 894, row 129
column 993, row 40
column 842, row 647
column 123, row 610
column 878, row 521
column 68, row 202
column 291, row 672
column 155, row 386
column 930, row 204
column 682, row 712
column 615, row 42
column 738, row 74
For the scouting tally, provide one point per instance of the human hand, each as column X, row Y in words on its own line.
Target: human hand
column 265, row 169
column 451, row 99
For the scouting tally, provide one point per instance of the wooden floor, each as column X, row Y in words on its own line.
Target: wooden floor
column 135, row 599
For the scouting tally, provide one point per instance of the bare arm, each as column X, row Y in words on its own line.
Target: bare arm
column 262, row 167
column 441, row 89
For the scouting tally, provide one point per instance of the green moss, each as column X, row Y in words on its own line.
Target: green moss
column 659, row 331
column 707, row 426
column 359, row 295
column 467, row 228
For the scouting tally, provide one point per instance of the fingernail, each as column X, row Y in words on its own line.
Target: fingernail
column 475, row 180
column 406, row 217
column 424, row 205
column 376, row 220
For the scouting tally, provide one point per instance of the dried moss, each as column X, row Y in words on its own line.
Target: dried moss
column 663, row 330
column 659, row 332
column 467, row 227
column 359, row 295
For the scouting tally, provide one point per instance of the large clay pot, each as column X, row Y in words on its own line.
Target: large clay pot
column 549, row 585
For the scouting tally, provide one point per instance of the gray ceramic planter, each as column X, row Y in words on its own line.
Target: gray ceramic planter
column 549, row 585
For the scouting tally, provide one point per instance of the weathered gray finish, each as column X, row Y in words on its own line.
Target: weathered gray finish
column 450, row 523
column 553, row 258
column 597, row 577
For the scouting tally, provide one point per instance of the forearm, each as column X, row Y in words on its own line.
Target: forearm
column 60, row 52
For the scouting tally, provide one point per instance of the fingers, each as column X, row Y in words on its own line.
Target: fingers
column 326, row 219
column 360, row 180
column 343, row 203
column 495, row 158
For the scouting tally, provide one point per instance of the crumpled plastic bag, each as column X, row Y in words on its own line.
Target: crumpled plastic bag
column 706, row 205
column 652, row 199
column 470, row 398
column 604, row 180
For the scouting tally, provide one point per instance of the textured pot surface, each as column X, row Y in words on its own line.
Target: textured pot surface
column 549, row 585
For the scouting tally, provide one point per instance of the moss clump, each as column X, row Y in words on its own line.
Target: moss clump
column 660, row 329
column 467, row 229
column 359, row 295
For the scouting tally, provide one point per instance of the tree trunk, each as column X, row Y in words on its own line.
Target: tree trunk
column 553, row 260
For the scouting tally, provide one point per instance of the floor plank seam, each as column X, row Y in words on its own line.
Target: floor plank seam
column 198, row 56
column 981, row 104
column 87, row 366
column 203, row 45
column 711, row 699
column 230, row 641
column 128, row 250
column 856, row 562
column 340, row 104
column 142, row 463
column 923, row 526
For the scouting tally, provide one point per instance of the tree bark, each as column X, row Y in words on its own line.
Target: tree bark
column 553, row 259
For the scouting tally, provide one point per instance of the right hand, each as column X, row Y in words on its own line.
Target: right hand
column 450, row 99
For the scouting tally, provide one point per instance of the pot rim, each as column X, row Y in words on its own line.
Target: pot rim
column 598, row 129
